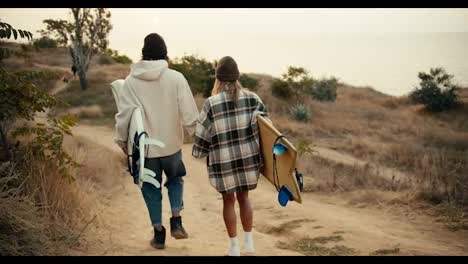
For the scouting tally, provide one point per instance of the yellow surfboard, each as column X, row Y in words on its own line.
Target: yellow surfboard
column 285, row 163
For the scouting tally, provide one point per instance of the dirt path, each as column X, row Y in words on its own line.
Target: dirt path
column 127, row 231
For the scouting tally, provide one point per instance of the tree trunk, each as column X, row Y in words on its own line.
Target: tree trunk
column 6, row 146
column 83, row 79
column 80, row 61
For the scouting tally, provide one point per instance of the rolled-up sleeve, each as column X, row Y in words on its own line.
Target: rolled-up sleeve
column 260, row 109
column 187, row 106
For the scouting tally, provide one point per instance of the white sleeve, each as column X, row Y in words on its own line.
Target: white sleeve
column 187, row 107
column 123, row 117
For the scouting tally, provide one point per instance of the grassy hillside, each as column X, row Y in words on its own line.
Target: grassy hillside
column 96, row 105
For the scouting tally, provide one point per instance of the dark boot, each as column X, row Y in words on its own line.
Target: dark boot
column 159, row 238
column 177, row 230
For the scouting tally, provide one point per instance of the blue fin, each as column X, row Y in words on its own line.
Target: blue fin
column 279, row 149
column 284, row 196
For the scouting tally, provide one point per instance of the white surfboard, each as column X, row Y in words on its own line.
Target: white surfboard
column 136, row 131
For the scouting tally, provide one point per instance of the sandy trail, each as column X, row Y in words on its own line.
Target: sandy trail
column 127, row 230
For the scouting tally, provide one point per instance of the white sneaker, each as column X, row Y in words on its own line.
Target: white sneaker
column 234, row 250
column 248, row 242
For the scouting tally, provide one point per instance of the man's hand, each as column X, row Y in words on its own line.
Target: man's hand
column 123, row 146
column 124, row 149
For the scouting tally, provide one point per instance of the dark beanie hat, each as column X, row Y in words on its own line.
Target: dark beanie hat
column 154, row 48
column 227, row 70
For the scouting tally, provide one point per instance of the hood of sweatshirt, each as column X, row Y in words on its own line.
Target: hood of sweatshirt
column 148, row 70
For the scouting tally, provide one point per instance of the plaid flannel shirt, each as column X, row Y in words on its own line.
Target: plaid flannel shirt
column 228, row 137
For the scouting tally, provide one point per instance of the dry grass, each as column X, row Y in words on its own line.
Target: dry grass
column 283, row 228
column 98, row 95
column 315, row 247
column 101, row 166
column 326, row 239
column 35, row 197
column 51, row 203
column 395, row 102
column 21, row 223
column 383, row 130
column 379, row 197
column 384, row 252
column 326, row 176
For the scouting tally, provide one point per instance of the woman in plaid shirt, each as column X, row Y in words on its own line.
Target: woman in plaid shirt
column 227, row 135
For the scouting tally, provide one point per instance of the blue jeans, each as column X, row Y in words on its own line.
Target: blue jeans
column 174, row 169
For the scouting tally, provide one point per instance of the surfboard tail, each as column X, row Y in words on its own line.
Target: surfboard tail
column 147, row 175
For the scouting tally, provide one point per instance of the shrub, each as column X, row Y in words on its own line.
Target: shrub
column 45, row 43
column 436, row 91
column 324, row 89
column 300, row 112
column 248, row 82
column 298, row 80
column 281, row 89
column 199, row 73
column 112, row 56
column 122, row 59
column 292, row 84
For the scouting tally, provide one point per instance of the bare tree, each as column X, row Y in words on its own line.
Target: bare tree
column 86, row 35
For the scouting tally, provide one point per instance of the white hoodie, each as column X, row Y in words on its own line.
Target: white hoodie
column 166, row 102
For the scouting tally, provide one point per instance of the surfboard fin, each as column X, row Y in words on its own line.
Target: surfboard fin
column 149, row 172
column 284, row 196
column 149, row 178
column 279, row 149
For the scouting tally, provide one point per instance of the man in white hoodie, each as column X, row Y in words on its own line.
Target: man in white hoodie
column 167, row 105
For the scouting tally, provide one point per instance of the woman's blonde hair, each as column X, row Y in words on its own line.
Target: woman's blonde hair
column 231, row 88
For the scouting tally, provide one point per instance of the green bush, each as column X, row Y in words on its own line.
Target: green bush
column 112, row 56
column 248, row 82
column 45, row 43
column 281, row 89
column 300, row 113
column 199, row 73
column 296, row 82
column 324, row 89
column 435, row 91
column 122, row 59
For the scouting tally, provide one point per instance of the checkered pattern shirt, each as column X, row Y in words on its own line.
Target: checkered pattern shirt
column 228, row 136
